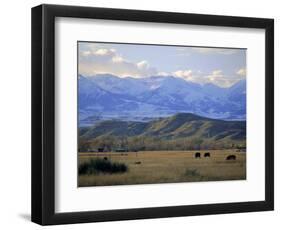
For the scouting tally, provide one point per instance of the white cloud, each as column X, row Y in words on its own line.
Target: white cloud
column 117, row 59
column 241, row 72
column 143, row 64
column 96, row 60
column 85, row 53
column 185, row 74
column 105, row 52
column 216, row 77
column 217, row 73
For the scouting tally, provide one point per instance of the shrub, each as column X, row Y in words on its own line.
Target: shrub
column 95, row 166
column 191, row 172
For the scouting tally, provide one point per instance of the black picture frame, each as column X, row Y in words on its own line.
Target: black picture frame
column 43, row 114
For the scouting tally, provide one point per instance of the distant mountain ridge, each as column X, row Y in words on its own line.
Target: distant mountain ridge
column 108, row 97
column 182, row 125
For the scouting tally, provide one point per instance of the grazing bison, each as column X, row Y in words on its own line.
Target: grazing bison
column 138, row 162
column 207, row 154
column 197, row 155
column 105, row 158
column 231, row 157
column 100, row 150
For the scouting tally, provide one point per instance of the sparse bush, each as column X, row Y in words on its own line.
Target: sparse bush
column 191, row 172
column 95, row 166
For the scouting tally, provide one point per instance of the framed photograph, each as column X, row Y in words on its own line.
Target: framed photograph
column 142, row 114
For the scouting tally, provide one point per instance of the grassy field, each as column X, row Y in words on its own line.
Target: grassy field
column 165, row 167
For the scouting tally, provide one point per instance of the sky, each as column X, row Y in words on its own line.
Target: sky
column 220, row 66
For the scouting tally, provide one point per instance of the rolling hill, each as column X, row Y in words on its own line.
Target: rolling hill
column 179, row 126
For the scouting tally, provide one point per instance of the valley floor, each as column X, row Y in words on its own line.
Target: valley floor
column 149, row 167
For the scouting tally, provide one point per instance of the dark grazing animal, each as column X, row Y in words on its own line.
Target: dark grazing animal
column 207, row 155
column 100, row 150
column 138, row 162
column 105, row 158
column 197, row 155
column 231, row 157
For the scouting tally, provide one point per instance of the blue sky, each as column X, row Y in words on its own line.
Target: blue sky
column 220, row 66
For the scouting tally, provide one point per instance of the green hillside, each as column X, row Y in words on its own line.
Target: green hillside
column 184, row 129
column 177, row 126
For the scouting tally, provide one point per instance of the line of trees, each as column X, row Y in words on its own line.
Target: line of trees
column 141, row 143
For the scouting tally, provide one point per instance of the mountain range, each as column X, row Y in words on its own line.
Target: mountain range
column 107, row 97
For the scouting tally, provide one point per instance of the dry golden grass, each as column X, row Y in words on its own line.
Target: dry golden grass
column 167, row 167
